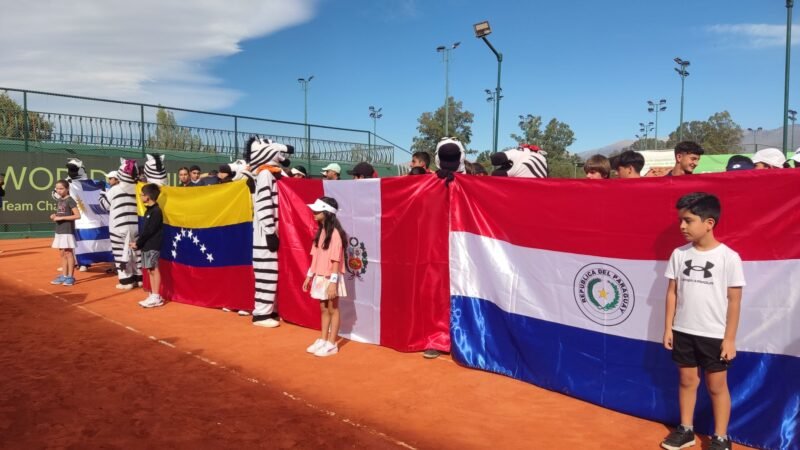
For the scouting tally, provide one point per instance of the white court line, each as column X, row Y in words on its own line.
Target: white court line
column 212, row 363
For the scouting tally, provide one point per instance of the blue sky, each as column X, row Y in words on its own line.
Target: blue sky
column 590, row 64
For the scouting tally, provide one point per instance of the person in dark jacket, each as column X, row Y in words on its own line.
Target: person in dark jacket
column 149, row 242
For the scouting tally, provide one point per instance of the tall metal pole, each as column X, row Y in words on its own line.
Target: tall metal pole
column 497, row 92
column 446, row 52
column 683, row 74
column 304, row 83
column 793, row 118
column 789, row 5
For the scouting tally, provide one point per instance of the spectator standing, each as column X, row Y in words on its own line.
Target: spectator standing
column 703, row 304
column 299, row 172
column 149, row 242
column 629, row 164
column 332, row 171
column 66, row 214
column 597, row 167
column 687, row 157
column 769, row 158
column 194, row 175
column 363, row 170
column 184, row 179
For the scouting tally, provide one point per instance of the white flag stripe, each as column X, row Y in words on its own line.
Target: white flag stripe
column 90, row 246
column 541, row 284
column 360, row 214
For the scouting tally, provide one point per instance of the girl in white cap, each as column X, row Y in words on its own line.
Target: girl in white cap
column 769, row 158
column 323, row 278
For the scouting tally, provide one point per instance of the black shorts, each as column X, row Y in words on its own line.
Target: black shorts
column 689, row 350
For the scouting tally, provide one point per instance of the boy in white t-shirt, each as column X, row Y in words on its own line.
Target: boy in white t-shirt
column 703, row 302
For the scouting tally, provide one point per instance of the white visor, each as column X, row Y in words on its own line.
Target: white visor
column 320, row 206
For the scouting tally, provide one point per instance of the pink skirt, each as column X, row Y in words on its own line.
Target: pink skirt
column 319, row 287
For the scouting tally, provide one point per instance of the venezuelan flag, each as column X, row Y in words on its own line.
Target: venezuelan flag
column 207, row 248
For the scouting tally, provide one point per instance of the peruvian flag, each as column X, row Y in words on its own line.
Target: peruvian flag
column 396, row 255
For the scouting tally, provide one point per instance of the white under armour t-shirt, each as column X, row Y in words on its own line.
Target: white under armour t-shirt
column 703, row 279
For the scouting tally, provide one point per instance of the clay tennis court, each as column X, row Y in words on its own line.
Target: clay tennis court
column 86, row 367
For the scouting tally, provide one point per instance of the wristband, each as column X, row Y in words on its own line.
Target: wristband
column 310, row 273
column 334, row 277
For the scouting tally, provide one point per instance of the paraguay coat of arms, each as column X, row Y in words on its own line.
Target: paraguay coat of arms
column 356, row 258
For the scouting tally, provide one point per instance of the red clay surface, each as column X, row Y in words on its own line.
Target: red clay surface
column 86, row 367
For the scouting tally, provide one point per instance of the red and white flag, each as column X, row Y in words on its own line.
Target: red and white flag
column 396, row 259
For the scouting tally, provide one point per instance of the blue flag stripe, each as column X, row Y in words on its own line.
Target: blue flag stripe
column 91, row 234
column 628, row 375
column 230, row 245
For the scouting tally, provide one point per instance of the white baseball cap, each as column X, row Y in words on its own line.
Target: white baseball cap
column 112, row 174
column 770, row 156
column 332, row 167
column 796, row 157
column 320, row 206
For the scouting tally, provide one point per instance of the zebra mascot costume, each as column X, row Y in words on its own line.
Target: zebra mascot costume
column 525, row 161
column 450, row 157
column 123, row 224
column 265, row 159
column 154, row 169
column 91, row 230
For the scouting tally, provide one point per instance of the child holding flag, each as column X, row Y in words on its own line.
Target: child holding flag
column 327, row 264
column 149, row 242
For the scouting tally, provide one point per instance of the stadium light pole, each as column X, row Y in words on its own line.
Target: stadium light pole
column 304, row 83
column 683, row 74
column 789, row 5
column 792, row 118
column 446, row 51
column 652, row 106
column 375, row 114
column 482, row 30
column 492, row 97
column 645, row 130
column 755, row 132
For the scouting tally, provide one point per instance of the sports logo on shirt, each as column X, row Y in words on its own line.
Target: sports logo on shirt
column 356, row 258
column 603, row 294
column 705, row 269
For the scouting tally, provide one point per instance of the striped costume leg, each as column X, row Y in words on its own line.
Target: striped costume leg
column 265, row 266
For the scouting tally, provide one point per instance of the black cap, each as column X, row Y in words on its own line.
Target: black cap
column 300, row 169
column 739, row 162
column 363, row 169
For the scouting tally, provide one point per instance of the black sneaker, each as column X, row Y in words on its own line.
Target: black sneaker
column 718, row 443
column 682, row 437
column 431, row 354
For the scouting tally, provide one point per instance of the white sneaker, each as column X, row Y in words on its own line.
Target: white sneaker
column 242, row 312
column 154, row 302
column 146, row 301
column 316, row 345
column 327, row 349
column 140, row 283
column 82, row 269
column 225, row 309
column 125, row 287
column 267, row 323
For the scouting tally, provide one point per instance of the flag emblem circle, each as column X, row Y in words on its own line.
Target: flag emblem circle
column 603, row 294
column 356, row 258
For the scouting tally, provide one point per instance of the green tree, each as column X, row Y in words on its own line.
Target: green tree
column 719, row 134
column 554, row 139
column 12, row 121
column 431, row 127
column 171, row 136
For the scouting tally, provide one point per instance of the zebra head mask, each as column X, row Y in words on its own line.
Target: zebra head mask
column 75, row 170
column 258, row 152
column 128, row 172
column 525, row 161
column 450, row 155
column 154, row 169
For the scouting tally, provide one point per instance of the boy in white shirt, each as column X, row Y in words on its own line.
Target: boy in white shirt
column 702, row 314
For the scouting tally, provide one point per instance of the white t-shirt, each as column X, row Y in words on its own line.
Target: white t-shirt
column 703, row 279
